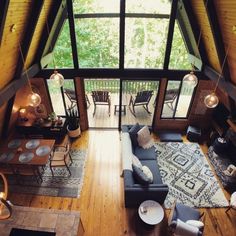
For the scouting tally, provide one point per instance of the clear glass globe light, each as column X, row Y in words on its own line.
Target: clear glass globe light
column 34, row 99
column 191, row 79
column 211, row 100
column 57, row 78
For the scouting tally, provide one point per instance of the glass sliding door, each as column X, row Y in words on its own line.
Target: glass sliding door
column 139, row 99
column 62, row 98
column 102, row 96
column 177, row 100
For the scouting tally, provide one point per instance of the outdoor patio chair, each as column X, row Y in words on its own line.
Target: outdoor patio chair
column 72, row 97
column 61, row 158
column 170, row 97
column 101, row 98
column 141, row 99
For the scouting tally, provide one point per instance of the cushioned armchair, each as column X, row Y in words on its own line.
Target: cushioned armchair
column 185, row 221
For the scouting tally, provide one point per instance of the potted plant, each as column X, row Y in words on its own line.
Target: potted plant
column 73, row 126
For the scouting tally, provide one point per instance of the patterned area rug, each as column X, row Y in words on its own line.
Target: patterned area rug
column 184, row 168
column 61, row 185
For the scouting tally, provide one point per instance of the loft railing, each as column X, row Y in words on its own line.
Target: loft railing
column 128, row 87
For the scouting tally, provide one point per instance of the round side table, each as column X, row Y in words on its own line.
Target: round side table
column 151, row 212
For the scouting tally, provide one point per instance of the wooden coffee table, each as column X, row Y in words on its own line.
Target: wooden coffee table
column 151, row 212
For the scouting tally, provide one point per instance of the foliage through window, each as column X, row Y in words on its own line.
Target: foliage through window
column 97, row 28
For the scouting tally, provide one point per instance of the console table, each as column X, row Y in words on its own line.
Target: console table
column 43, row 220
column 47, row 129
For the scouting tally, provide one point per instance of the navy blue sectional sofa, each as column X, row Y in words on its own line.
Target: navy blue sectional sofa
column 134, row 192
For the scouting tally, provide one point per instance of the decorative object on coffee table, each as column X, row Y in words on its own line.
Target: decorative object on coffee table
column 232, row 203
column 151, row 212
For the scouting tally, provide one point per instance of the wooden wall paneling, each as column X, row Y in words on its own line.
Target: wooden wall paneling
column 226, row 13
column 200, row 115
column 2, row 114
column 41, row 24
column 3, row 13
column 199, row 9
column 23, row 50
column 18, row 14
column 80, row 92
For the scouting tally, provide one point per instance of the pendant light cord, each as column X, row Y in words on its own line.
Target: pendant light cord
column 50, row 45
column 222, row 67
column 23, row 61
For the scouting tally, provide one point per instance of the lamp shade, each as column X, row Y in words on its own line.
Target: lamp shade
column 33, row 99
column 191, row 79
column 57, row 78
column 211, row 100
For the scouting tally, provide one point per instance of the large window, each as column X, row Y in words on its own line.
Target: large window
column 100, row 39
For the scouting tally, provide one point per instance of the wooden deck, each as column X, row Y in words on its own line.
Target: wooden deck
column 102, row 199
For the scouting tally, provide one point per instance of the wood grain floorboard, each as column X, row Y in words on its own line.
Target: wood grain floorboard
column 102, row 201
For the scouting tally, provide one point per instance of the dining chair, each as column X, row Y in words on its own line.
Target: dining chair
column 101, row 98
column 142, row 98
column 71, row 96
column 61, row 158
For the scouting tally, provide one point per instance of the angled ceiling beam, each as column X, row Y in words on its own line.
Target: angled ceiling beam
column 57, row 6
column 220, row 48
column 3, row 14
column 30, row 29
column 196, row 31
column 119, row 73
column 173, row 13
column 217, row 36
column 72, row 33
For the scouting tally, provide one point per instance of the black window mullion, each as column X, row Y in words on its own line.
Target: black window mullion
column 72, row 33
column 170, row 33
column 122, row 34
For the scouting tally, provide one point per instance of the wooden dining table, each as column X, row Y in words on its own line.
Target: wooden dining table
column 35, row 152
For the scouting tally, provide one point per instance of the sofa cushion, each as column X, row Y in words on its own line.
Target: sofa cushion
column 136, row 162
column 140, row 176
column 144, row 138
column 126, row 151
column 145, row 154
column 148, row 173
column 152, row 165
column 133, row 132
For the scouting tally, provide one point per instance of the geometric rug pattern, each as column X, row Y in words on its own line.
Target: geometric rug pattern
column 61, row 185
column 184, row 167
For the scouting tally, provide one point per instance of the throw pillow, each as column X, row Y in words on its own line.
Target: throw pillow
column 140, row 176
column 148, row 173
column 137, row 162
column 144, row 138
column 185, row 229
column 197, row 223
column 133, row 134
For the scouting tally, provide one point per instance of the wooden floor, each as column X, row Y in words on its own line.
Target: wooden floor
column 102, row 204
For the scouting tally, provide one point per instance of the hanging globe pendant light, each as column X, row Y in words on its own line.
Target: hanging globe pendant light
column 57, row 78
column 33, row 99
column 191, row 79
column 211, row 100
